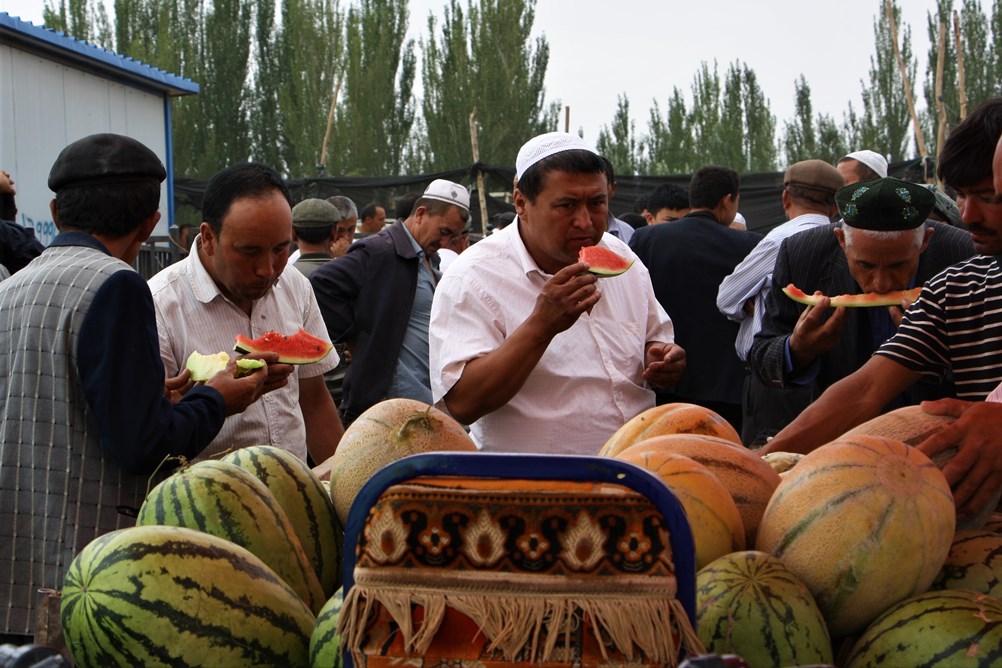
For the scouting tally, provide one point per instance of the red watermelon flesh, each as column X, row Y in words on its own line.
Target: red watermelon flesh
column 603, row 262
column 867, row 299
column 299, row 348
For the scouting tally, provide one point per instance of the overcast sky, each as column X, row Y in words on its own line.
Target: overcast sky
column 644, row 48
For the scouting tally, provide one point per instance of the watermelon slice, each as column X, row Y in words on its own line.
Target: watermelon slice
column 299, row 348
column 854, row 301
column 603, row 262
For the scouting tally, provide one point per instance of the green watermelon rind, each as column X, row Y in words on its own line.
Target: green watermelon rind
column 169, row 596
column 609, row 264
column 325, row 642
column 245, row 345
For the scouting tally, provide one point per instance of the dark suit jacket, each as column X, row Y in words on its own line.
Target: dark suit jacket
column 687, row 260
column 366, row 297
column 812, row 260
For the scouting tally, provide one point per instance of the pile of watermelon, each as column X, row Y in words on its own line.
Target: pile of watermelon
column 232, row 563
column 849, row 556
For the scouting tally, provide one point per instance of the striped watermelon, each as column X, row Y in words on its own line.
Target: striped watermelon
column 974, row 564
column 224, row 500
column 325, row 643
column 750, row 604
column 952, row 629
column 864, row 522
column 305, row 501
column 168, row 596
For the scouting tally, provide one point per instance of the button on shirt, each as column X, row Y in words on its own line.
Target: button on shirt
column 411, row 379
column 752, row 278
column 589, row 381
column 192, row 314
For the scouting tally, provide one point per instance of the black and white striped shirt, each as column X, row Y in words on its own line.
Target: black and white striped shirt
column 956, row 324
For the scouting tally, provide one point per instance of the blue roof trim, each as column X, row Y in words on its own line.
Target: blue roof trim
column 13, row 29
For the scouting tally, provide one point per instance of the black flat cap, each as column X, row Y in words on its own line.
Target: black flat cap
column 105, row 158
column 885, row 204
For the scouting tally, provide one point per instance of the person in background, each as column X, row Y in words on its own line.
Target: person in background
column 688, row 259
column 377, row 299
column 530, row 349
column 18, row 245
column 666, row 204
column 314, row 229
column 87, row 413
column 864, row 165
column 235, row 282
column 808, row 198
column 615, row 226
column 373, row 218
column 345, row 228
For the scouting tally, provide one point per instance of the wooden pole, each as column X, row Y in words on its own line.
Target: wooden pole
column 480, row 174
column 330, row 122
column 940, row 106
column 919, row 139
column 961, row 79
column 567, row 119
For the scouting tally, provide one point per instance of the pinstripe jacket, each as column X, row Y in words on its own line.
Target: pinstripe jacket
column 813, row 260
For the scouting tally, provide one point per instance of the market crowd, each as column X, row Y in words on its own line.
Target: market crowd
column 511, row 335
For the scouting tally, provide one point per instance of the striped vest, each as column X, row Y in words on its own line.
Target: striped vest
column 57, row 489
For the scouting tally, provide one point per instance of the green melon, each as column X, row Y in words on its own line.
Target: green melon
column 204, row 367
column 974, row 564
column 750, row 604
column 602, row 261
column 168, row 596
column 224, row 500
column 325, row 643
column 299, row 348
column 952, row 629
column 306, row 502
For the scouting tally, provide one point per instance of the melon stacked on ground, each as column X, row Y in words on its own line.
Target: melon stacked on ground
column 864, row 522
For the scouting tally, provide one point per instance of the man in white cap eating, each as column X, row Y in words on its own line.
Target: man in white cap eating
column 534, row 352
column 377, row 299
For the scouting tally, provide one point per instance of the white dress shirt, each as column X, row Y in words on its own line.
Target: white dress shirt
column 192, row 314
column 752, row 278
column 589, row 381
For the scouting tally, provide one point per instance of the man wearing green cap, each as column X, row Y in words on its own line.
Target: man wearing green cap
column 956, row 325
column 314, row 229
column 884, row 244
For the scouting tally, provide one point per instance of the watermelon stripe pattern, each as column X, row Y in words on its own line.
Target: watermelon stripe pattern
column 168, row 596
column 325, row 643
column 938, row 628
column 224, row 500
column 306, row 502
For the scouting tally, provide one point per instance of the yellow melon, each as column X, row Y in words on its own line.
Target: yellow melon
column 388, row 431
column 864, row 522
column 909, row 424
column 746, row 476
column 677, row 418
column 713, row 517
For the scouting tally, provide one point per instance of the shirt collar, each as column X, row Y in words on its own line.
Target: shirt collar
column 202, row 285
column 76, row 238
column 414, row 244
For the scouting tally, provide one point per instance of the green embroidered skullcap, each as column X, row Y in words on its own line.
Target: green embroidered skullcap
column 315, row 212
column 886, row 204
column 945, row 207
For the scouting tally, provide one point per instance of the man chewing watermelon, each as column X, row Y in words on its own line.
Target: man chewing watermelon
column 530, row 347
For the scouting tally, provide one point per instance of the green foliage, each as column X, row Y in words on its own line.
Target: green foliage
column 670, row 142
column 375, row 119
column 483, row 59
column 808, row 136
column 619, row 144
column 83, row 19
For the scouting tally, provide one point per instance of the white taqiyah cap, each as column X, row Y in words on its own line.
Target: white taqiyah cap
column 871, row 159
column 447, row 191
column 545, row 145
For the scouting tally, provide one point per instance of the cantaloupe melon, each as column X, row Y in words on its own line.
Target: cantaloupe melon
column 864, row 522
column 744, row 474
column 677, row 418
column 388, row 431
column 713, row 517
column 913, row 425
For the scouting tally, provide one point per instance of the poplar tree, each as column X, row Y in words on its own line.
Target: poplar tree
column 619, row 143
column 810, row 137
column 84, row 19
column 483, row 58
column 669, row 141
column 374, row 121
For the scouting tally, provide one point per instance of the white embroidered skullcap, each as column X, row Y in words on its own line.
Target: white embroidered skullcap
column 450, row 192
column 545, row 145
column 871, row 159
